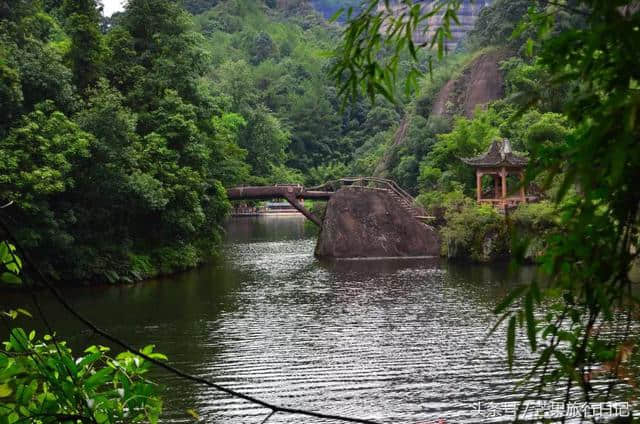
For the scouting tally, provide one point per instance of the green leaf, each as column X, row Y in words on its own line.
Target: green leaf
column 530, row 320
column 147, row 349
column 100, row 417
column 99, row 378
column 10, row 278
column 336, row 15
column 5, row 256
column 194, row 414
column 529, row 47
column 508, row 300
column 18, row 340
column 11, row 314
column 496, row 325
column 5, row 390
column 567, row 336
column 89, row 359
column 24, row 312
column 159, row 356
column 562, row 359
column 511, row 341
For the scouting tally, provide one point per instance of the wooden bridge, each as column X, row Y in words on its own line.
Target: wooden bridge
column 294, row 192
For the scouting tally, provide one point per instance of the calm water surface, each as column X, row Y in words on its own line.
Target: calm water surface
column 398, row 341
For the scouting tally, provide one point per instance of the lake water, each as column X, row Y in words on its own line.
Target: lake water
column 399, row 341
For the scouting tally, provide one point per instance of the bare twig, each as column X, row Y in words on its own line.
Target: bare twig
column 268, row 416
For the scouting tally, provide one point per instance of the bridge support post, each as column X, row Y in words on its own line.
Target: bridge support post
column 296, row 204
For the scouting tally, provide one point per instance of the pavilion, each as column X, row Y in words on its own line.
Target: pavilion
column 499, row 161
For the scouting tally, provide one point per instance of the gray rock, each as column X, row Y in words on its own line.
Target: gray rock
column 366, row 223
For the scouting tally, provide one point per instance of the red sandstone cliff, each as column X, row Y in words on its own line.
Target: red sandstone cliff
column 480, row 83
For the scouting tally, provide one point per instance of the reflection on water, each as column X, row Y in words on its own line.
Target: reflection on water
column 393, row 340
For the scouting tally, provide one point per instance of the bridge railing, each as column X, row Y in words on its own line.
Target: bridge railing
column 384, row 183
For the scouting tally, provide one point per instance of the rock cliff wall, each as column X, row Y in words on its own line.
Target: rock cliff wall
column 467, row 16
column 480, row 83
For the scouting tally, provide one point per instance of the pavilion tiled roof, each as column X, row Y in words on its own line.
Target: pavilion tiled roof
column 498, row 154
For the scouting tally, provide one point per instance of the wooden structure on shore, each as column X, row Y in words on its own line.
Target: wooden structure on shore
column 500, row 162
column 365, row 217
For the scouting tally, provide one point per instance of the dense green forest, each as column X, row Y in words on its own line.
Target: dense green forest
column 119, row 135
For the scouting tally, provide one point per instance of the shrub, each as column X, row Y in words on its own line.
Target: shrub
column 42, row 382
column 437, row 202
column 476, row 232
column 141, row 266
column 178, row 258
column 531, row 224
column 534, row 217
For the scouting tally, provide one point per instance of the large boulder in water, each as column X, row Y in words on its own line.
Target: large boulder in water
column 366, row 223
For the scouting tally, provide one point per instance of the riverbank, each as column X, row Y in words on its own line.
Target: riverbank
column 468, row 232
column 483, row 234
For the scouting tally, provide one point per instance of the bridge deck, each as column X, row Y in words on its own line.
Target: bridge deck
column 292, row 193
column 272, row 192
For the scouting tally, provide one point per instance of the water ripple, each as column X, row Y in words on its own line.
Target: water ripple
column 397, row 342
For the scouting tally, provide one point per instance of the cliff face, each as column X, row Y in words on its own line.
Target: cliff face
column 329, row 7
column 369, row 223
column 467, row 15
column 480, row 83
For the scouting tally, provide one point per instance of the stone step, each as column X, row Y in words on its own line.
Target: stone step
column 408, row 205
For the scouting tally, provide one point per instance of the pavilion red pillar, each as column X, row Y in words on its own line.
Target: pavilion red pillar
column 478, row 185
column 503, row 175
column 523, row 195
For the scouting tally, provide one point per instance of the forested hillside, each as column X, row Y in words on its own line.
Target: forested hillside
column 115, row 150
column 271, row 63
column 474, row 96
column 119, row 135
